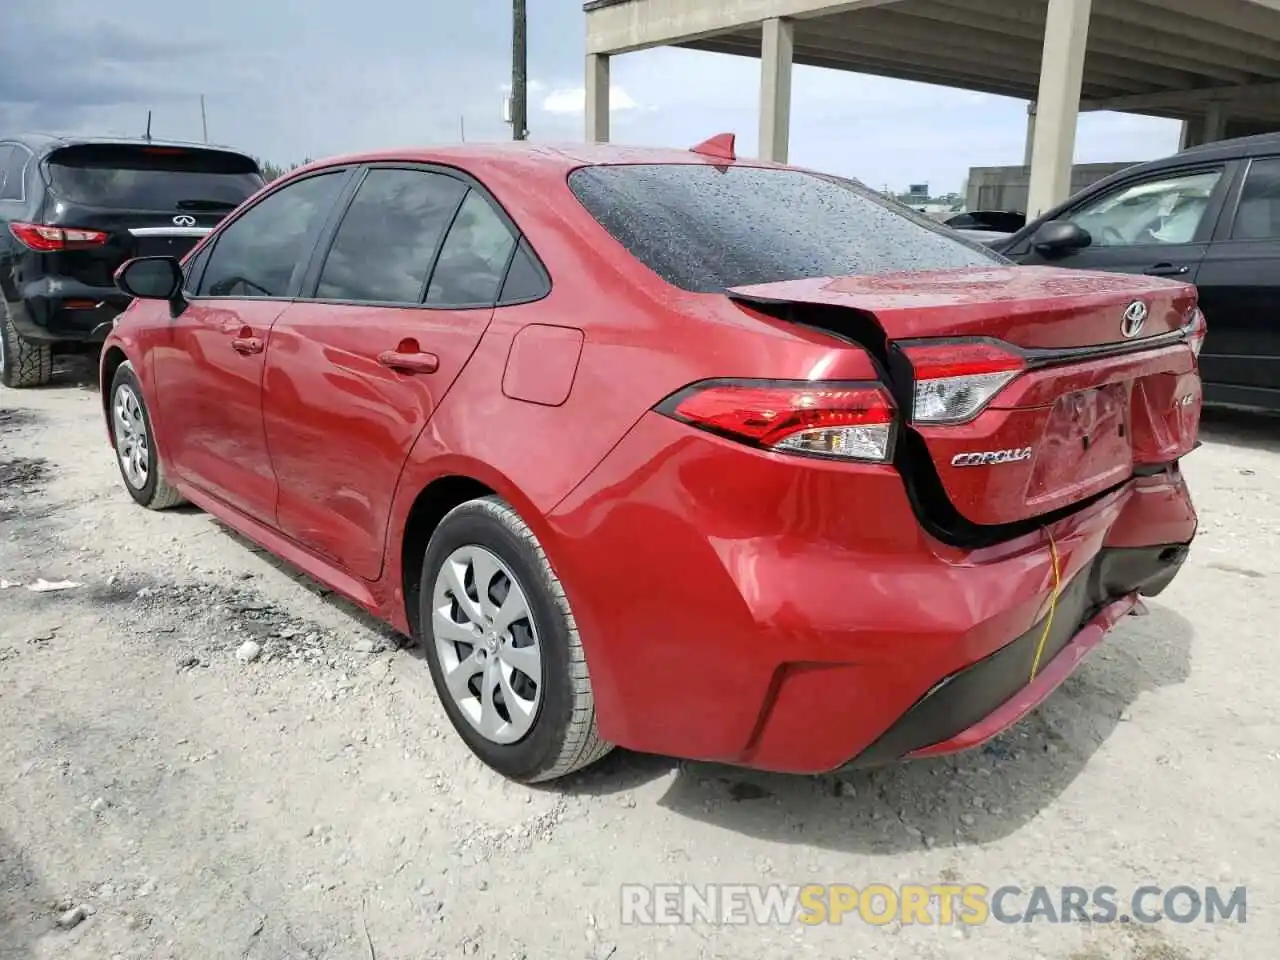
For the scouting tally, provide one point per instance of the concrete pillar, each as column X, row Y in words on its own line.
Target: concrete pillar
column 777, row 43
column 1066, row 32
column 1031, row 133
column 1192, row 133
column 1215, row 122
column 597, row 87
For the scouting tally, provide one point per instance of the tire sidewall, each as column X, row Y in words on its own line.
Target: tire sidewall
column 472, row 524
column 125, row 376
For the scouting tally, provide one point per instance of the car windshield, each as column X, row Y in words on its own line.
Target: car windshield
column 131, row 177
column 705, row 228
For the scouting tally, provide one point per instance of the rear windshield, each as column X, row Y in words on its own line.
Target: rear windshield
column 705, row 228
column 153, row 178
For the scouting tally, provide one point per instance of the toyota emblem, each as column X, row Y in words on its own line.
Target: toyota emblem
column 1135, row 316
column 182, row 220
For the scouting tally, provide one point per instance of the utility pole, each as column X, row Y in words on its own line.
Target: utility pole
column 204, row 122
column 519, row 73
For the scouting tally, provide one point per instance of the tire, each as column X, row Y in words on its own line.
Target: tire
column 23, row 363
column 140, row 468
column 552, row 730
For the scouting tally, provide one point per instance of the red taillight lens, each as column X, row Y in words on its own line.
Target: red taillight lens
column 36, row 236
column 955, row 380
column 1199, row 327
column 847, row 421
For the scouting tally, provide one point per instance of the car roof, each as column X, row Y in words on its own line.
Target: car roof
column 45, row 143
column 1226, row 149
column 542, row 158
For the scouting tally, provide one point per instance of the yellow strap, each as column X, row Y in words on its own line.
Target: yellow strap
column 1053, row 604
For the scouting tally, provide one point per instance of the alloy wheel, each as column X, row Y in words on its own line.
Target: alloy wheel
column 132, row 446
column 487, row 644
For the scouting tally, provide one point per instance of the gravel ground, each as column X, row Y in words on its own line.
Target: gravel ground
column 166, row 793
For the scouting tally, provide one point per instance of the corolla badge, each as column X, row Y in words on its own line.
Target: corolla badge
column 986, row 458
column 182, row 220
column 1133, row 318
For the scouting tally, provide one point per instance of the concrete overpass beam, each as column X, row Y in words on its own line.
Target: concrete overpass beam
column 1066, row 33
column 598, row 90
column 776, row 49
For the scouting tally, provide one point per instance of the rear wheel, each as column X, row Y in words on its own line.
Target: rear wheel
column 134, row 442
column 23, row 363
column 503, row 646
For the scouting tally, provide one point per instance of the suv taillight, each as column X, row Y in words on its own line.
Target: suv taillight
column 954, row 380
column 36, row 236
column 834, row 420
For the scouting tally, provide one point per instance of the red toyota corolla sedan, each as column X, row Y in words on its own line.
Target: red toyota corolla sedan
column 694, row 455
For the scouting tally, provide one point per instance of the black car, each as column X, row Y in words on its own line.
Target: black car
column 1209, row 215
column 72, row 210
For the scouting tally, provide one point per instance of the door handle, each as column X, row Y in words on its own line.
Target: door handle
column 247, row 345
column 409, row 358
column 1167, row 270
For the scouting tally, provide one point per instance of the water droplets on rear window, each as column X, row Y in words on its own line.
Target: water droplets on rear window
column 704, row 228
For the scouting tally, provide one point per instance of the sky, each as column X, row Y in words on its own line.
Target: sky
column 292, row 79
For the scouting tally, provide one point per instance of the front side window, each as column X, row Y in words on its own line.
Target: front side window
column 389, row 236
column 704, row 228
column 1168, row 210
column 1258, row 216
column 474, row 258
column 258, row 253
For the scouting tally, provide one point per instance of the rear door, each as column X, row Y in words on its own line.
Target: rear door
column 398, row 304
column 1239, row 283
column 1157, row 224
column 208, row 369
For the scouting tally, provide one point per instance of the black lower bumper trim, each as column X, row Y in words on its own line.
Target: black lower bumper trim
column 964, row 698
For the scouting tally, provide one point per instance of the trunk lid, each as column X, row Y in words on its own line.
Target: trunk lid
column 1030, row 307
column 1086, row 388
column 138, row 200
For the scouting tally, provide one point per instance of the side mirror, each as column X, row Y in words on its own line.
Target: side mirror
column 1057, row 237
column 151, row 278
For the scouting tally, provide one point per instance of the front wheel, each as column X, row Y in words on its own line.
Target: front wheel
column 134, row 443
column 503, row 646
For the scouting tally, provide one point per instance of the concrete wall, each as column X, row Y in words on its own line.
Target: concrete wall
column 1006, row 188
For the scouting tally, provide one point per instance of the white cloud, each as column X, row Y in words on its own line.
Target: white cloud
column 573, row 100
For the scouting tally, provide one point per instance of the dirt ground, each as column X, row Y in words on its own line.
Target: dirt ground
column 314, row 802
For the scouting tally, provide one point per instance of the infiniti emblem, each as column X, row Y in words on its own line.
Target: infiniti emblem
column 1135, row 315
column 182, row 220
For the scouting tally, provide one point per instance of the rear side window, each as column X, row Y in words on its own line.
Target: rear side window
column 474, row 258
column 126, row 177
column 389, row 237
column 703, row 228
column 13, row 162
column 1258, row 216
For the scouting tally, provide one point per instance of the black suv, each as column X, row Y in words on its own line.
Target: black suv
column 72, row 210
column 1209, row 215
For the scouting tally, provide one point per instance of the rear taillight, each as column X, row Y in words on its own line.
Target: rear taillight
column 1199, row 327
column 844, row 421
column 954, row 381
column 36, row 236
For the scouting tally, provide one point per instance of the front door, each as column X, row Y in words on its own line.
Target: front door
column 208, row 370
column 1157, row 225
column 355, row 371
column 1239, row 283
